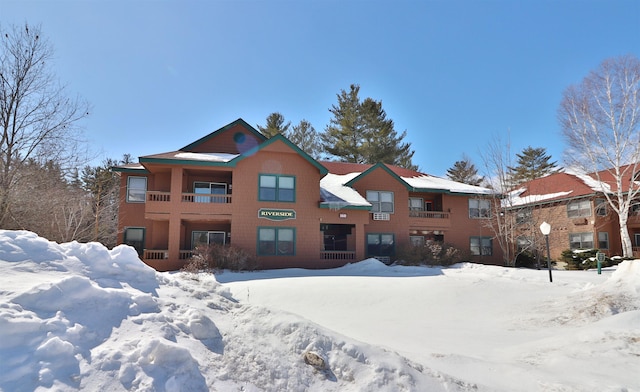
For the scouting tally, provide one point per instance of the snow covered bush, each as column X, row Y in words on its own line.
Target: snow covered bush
column 583, row 259
column 433, row 253
column 218, row 257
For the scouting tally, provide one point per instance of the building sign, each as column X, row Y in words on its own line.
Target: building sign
column 276, row 215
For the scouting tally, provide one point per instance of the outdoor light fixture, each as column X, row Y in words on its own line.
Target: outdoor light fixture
column 545, row 228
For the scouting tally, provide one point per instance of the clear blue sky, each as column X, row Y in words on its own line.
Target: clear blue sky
column 453, row 74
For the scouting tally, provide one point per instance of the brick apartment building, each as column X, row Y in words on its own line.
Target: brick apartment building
column 267, row 196
column 577, row 210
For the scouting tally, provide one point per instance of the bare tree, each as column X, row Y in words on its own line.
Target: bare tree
column 600, row 119
column 514, row 224
column 37, row 119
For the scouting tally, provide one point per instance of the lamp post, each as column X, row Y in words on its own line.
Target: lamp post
column 545, row 228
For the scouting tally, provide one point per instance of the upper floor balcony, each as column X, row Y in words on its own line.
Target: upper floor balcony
column 194, row 204
column 429, row 219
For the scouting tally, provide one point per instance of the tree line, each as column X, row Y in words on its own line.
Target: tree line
column 45, row 188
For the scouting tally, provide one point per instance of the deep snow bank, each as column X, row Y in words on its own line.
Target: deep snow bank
column 79, row 316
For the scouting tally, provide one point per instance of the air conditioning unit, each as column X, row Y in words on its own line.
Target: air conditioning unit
column 381, row 216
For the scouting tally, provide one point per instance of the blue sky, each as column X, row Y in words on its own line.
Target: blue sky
column 453, row 74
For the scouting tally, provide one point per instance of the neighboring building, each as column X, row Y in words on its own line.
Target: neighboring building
column 577, row 210
column 235, row 186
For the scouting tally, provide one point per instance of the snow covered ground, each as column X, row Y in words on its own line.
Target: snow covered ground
column 79, row 316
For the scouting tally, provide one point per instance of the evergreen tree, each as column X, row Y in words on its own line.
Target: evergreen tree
column 360, row 132
column 275, row 125
column 465, row 171
column 342, row 136
column 305, row 136
column 532, row 163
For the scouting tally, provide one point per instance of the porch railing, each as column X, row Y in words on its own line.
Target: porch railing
column 162, row 254
column 156, row 196
column 429, row 214
column 337, row 255
column 205, row 198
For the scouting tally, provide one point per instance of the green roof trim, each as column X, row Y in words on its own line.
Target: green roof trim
column 323, row 170
column 239, row 121
column 384, row 167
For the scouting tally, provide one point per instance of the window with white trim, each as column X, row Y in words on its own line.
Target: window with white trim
column 578, row 209
column 381, row 201
column 481, row 246
column 581, row 240
column 136, row 189
column 416, row 204
column 479, row 208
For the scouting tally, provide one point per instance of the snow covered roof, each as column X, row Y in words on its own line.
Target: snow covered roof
column 206, row 156
column 414, row 180
column 430, row 182
column 554, row 187
column 333, row 191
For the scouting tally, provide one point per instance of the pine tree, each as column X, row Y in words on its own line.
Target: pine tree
column 275, row 125
column 532, row 163
column 465, row 171
column 342, row 136
column 360, row 132
column 305, row 136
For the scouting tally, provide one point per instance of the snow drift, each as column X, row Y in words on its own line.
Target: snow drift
column 79, row 316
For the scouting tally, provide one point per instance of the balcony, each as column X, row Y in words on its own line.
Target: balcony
column 337, row 255
column 159, row 204
column 429, row 219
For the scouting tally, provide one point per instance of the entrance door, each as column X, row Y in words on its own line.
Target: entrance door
column 210, row 188
column 207, row 238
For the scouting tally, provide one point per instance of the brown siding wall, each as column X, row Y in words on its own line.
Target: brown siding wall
column 228, row 141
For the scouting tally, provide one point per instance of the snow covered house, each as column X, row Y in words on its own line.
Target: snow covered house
column 576, row 208
column 267, row 196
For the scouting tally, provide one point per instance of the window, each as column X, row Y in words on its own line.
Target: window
column 134, row 236
column 635, row 209
column 579, row 208
column 276, row 241
column 277, row 188
column 479, row 208
column 416, row 240
column 481, row 246
column 601, row 207
column 207, row 237
column 524, row 216
column 581, row 240
column 524, row 243
column 603, row 240
column 210, row 188
column 136, row 189
column 416, row 204
column 380, row 245
column 380, row 201
column 636, row 239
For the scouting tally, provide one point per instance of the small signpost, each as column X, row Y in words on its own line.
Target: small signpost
column 600, row 259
